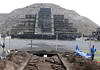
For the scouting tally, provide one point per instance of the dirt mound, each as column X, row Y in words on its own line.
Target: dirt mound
column 81, row 63
column 13, row 61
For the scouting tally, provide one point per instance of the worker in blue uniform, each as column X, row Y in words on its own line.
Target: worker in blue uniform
column 93, row 50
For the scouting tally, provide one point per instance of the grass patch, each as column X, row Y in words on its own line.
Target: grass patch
column 97, row 58
column 98, row 52
column 87, row 51
column 97, row 40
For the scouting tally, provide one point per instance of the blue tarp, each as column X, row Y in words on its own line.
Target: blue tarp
column 79, row 52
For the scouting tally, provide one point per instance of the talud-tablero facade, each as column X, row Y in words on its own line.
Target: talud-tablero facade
column 44, row 25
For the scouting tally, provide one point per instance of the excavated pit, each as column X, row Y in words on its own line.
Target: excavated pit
column 42, row 60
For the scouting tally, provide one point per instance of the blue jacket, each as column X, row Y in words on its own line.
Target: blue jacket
column 93, row 50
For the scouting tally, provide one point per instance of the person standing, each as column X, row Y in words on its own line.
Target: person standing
column 77, row 48
column 93, row 50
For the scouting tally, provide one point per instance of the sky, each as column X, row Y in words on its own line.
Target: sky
column 87, row 8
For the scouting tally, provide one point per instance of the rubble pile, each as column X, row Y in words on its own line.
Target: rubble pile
column 81, row 63
column 13, row 61
column 18, row 57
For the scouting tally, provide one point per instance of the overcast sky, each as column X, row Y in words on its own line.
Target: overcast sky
column 87, row 8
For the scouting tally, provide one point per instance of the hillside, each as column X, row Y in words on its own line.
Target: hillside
column 83, row 24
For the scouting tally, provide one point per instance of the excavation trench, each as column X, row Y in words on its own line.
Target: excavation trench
column 44, row 61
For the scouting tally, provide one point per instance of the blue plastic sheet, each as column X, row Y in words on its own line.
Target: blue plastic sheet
column 79, row 52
